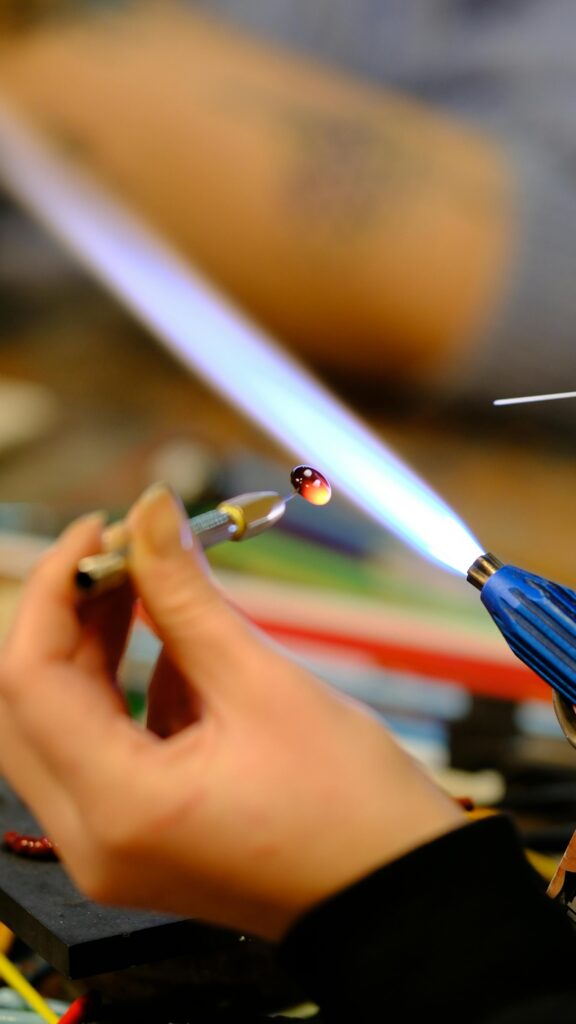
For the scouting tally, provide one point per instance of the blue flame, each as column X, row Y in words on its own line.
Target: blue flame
column 207, row 333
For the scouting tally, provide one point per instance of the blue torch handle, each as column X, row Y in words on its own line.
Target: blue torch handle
column 538, row 620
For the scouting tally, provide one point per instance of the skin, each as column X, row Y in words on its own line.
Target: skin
column 568, row 863
column 369, row 231
column 255, row 791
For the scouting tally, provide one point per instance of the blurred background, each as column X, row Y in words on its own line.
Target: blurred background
column 389, row 191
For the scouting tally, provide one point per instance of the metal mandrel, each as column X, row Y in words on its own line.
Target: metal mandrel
column 235, row 519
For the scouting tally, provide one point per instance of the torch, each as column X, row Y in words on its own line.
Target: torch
column 537, row 618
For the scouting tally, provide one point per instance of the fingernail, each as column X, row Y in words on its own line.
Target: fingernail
column 89, row 518
column 162, row 522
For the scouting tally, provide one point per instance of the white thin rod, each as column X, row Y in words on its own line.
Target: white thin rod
column 534, row 398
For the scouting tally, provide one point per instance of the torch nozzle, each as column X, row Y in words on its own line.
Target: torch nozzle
column 482, row 569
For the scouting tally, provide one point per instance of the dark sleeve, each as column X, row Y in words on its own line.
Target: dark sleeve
column 457, row 930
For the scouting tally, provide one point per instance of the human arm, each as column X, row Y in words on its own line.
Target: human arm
column 347, row 218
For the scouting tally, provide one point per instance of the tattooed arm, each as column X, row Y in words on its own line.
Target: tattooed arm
column 342, row 216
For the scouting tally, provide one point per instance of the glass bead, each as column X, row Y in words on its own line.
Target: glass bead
column 311, row 485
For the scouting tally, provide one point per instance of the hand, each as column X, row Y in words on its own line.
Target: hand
column 255, row 792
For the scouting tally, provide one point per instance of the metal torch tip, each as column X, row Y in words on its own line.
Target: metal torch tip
column 482, row 569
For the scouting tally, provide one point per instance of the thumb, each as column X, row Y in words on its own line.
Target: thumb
column 202, row 634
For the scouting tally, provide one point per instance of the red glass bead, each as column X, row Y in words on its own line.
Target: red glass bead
column 38, row 847
column 311, row 485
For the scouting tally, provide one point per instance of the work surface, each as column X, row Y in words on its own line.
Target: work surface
column 81, row 939
column 40, row 903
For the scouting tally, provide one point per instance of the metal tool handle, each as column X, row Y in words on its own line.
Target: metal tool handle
column 213, row 527
column 238, row 518
column 98, row 573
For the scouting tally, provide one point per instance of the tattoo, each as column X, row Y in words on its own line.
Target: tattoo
column 345, row 170
column 339, row 177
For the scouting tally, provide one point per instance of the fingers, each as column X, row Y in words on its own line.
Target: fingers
column 53, row 704
column 47, row 626
column 63, row 731
column 29, row 774
column 204, row 638
column 107, row 618
column 53, row 624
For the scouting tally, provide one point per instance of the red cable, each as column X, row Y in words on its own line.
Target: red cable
column 78, row 1012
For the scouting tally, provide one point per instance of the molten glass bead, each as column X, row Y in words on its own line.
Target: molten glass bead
column 311, row 485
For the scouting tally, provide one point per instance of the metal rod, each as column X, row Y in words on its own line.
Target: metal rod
column 534, row 398
column 98, row 573
column 236, row 519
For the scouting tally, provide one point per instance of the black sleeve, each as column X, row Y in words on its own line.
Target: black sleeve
column 458, row 930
